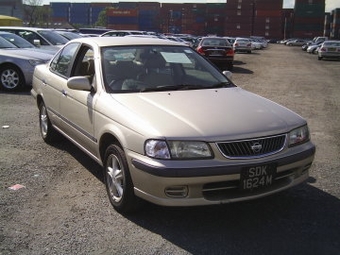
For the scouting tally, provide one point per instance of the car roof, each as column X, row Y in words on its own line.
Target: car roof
column 25, row 28
column 123, row 41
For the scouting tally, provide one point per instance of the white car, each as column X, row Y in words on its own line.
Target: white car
column 168, row 126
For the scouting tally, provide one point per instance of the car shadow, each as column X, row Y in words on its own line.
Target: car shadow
column 21, row 91
column 239, row 69
column 301, row 220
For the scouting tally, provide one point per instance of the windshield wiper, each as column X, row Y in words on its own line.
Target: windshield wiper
column 173, row 87
column 221, row 85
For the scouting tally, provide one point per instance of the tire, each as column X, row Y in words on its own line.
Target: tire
column 319, row 58
column 118, row 181
column 11, row 78
column 47, row 131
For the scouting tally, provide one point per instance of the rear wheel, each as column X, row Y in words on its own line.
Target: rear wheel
column 118, row 181
column 48, row 133
column 319, row 58
column 11, row 78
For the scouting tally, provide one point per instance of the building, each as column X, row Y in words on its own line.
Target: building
column 13, row 8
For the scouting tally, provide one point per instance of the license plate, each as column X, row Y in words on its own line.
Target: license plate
column 216, row 53
column 257, row 176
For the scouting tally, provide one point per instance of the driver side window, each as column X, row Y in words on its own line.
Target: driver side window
column 62, row 61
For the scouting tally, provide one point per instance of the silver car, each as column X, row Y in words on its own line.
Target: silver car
column 329, row 49
column 17, row 65
column 242, row 45
column 43, row 38
column 167, row 126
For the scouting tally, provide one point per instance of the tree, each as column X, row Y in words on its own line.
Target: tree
column 35, row 13
column 102, row 20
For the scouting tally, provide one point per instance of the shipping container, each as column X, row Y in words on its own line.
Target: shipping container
column 309, row 9
column 309, row 1
column 127, row 5
column 154, row 6
column 123, row 26
column 127, row 20
column 267, row 13
column 60, row 10
column 121, row 13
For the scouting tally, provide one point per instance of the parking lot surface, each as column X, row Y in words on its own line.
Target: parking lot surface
column 62, row 206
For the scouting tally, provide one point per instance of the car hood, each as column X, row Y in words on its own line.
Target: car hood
column 25, row 53
column 212, row 114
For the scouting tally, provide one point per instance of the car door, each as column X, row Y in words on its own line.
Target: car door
column 55, row 79
column 76, row 106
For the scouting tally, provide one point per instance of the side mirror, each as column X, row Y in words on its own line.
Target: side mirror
column 79, row 83
column 37, row 43
column 228, row 74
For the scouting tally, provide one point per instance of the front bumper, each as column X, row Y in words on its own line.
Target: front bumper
column 207, row 182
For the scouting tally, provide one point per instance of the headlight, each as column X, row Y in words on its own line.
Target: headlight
column 177, row 149
column 299, row 135
column 35, row 62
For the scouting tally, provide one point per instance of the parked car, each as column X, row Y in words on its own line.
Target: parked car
column 296, row 42
column 69, row 35
column 17, row 65
column 313, row 48
column 22, row 43
column 218, row 50
column 40, row 37
column 329, row 49
column 119, row 33
column 168, row 126
column 256, row 45
column 242, row 45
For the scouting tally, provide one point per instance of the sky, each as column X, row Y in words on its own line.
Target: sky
column 330, row 4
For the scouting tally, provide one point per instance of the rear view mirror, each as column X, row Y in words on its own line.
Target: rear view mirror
column 228, row 74
column 36, row 42
column 79, row 83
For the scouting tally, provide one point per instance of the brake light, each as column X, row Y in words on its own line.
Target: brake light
column 200, row 51
column 249, row 44
column 322, row 49
column 229, row 52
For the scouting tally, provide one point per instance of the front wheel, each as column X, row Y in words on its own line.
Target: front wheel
column 118, row 181
column 319, row 58
column 11, row 78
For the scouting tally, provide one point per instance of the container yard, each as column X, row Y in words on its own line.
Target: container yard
column 265, row 18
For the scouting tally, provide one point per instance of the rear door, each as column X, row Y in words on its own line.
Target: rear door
column 56, row 78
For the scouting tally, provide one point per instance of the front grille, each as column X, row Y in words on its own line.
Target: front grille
column 252, row 148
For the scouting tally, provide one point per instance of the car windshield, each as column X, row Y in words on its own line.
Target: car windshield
column 53, row 37
column 17, row 40
column 158, row 68
column 215, row 42
column 4, row 44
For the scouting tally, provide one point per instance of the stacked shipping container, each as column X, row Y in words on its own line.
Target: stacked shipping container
column 268, row 18
column 335, row 24
column 308, row 18
column 233, row 18
column 239, row 18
